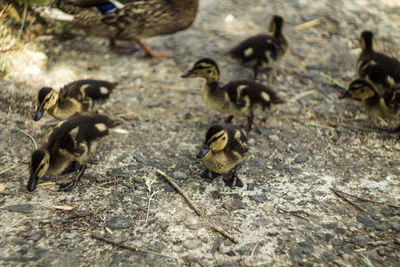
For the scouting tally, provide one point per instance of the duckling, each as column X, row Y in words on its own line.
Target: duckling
column 262, row 50
column 73, row 99
column 71, row 142
column 236, row 98
column 381, row 70
column 385, row 107
column 127, row 20
column 225, row 146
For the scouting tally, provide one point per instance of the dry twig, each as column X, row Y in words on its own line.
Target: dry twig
column 346, row 199
column 143, row 250
column 378, row 243
column 196, row 209
column 293, row 213
column 366, row 200
column 225, row 233
column 307, row 24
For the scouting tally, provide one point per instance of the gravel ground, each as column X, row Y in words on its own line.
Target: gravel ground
column 284, row 215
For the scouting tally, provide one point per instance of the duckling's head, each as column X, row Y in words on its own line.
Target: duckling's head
column 205, row 68
column 38, row 167
column 276, row 25
column 216, row 140
column 47, row 98
column 359, row 89
column 367, row 41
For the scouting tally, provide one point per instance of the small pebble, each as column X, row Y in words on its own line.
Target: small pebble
column 118, row 222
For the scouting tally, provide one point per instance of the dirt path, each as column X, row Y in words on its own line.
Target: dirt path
column 307, row 146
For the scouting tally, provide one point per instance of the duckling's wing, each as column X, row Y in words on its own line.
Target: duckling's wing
column 237, row 139
column 72, row 90
column 381, row 69
column 257, row 48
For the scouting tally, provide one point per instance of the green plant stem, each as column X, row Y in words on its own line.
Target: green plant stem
column 335, row 82
column 9, row 169
column 23, row 21
column 132, row 248
column 30, row 136
column 148, row 208
column 320, row 126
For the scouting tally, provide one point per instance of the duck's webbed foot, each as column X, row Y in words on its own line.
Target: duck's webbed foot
column 233, row 180
column 71, row 185
column 209, row 175
column 72, row 166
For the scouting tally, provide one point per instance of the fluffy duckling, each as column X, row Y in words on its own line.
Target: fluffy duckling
column 71, row 141
column 127, row 20
column 381, row 70
column 262, row 50
column 225, row 146
column 73, row 99
column 236, row 98
column 386, row 106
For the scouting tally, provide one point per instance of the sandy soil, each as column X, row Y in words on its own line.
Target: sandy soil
column 306, row 146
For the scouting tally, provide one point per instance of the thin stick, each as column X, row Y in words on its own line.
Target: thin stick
column 320, row 126
column 293, row 213
column 367, row 200
column 378, row 243
column 346, row 199
column 225, row 233
column 335, row 82
column 306, row 25
column 306, row 93
column 109, row 241
column 196, row 209
column 30, row 136
column 9, row 169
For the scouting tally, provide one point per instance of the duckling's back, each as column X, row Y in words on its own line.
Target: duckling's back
column 256, row 92
column 261, row 50
column 79, row 129
column 95, row 89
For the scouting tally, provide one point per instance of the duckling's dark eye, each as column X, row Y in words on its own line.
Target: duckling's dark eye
column 209, row 71
column 223, row 138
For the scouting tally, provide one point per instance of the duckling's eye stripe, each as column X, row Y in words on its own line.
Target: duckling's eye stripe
column 46, row 100
column 40, row 167
column 215, row 139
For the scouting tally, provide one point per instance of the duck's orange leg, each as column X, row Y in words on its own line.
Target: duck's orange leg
column 152, row 53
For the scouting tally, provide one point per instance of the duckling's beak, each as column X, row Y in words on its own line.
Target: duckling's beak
column 203, row 151
column 38, row 113
column 32, row 183
column 189, row 74
column 345, row 95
